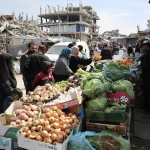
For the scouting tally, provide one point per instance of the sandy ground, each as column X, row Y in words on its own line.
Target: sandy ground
column 20, row 83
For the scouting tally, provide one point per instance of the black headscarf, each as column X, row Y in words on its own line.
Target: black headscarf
column 45, row 66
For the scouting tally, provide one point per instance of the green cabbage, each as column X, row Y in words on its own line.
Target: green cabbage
column 124, row 86
column 90, row 87
column 97, row 104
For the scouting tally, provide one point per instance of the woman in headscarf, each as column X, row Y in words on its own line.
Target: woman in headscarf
column 75, row 60
column 62, row 70
column 7, row 78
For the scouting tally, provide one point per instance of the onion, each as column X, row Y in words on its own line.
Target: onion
column 59, row 112
column 41, row 99
column 35, row 122
column 30, row 114
column 57, row 131
column 41, row 121
column 73, row 117
column 46, row 122
column 36, row 97
column 67, row 131
column 54, row 108
column 39, row 128
column 17, row 121
column 46, row 110
column 47, row 128
column 74, row 125
column 63, row 127
column 39, row 138
column 25, row 98
column 25, row 129
column 56, row 125
column 23, row 116
column 29, row 124
column 76, row 121
column 55, row 115
column 36, row 113
column 28, row 132
column 48, row 140
column 54, row 136
column 51, row 119
column 33, row 128
column 59, row 138
column 44, row 133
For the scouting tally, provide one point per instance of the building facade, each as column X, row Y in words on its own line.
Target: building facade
column 74, row 22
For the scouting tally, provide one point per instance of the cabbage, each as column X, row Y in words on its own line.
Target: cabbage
column 91, row 87
column 97, row 104
column 124, row 86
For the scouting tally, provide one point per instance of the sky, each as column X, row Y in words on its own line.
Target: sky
column 124, row 15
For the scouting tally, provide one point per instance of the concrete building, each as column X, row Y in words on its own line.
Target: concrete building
column 74, row 22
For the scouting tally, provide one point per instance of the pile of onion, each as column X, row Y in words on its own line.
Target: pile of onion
column 42, row 93
column 27, row 113
column 53, row 127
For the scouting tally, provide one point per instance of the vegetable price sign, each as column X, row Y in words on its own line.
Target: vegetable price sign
column 5, row 143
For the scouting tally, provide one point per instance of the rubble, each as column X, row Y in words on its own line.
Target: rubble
column 10, row 26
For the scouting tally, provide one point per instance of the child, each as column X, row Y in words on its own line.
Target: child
column 16, row 94
column 45, row 76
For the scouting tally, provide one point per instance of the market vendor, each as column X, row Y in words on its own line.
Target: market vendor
column 76, row 60
column 62, row 70
column 146, row 73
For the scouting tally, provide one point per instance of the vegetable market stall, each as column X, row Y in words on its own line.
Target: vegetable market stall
column 52, row 116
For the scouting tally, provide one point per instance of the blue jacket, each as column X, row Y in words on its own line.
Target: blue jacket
column 7, row 103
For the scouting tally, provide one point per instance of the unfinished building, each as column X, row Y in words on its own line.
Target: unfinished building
column 74, row 22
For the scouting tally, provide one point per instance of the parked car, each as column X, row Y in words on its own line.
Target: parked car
column 54, row 51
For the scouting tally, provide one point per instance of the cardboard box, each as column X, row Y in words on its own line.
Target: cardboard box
column 100, row 116
column 36, row 145
column 8, row 139
column 98, row 127
column 118, row 97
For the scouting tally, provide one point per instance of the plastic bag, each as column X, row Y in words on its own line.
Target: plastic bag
column 115, row 75
column 79, row 141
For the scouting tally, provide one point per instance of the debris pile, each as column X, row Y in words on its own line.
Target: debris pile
column 10, row 26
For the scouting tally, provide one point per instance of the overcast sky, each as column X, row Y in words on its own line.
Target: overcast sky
column 124, row 15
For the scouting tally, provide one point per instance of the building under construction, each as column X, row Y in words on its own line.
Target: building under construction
column 74, row 22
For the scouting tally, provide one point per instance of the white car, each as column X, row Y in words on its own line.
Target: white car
column 54, row 51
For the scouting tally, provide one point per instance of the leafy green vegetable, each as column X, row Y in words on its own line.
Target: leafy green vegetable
column 125, row 86
column 98, row 103
column 90, row 87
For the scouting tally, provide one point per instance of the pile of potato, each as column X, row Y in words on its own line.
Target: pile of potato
column 43, row 93
column 54, row 126
column 22, row 116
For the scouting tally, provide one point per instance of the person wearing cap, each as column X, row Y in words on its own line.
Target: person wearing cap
column 145, row 45
column 33, row 65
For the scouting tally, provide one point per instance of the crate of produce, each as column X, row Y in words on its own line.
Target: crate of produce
column 110, row 114
column 121, row 129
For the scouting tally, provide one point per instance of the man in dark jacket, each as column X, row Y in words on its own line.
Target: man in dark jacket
column 31, row 49
column 33, row 65
column 106, row 53
column 146, row 74
column 7, row 78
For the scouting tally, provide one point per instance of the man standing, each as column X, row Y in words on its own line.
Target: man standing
column 7, row 78
column 33, row 65
column 106, row 53
column 146, row 74
column 31, row 49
